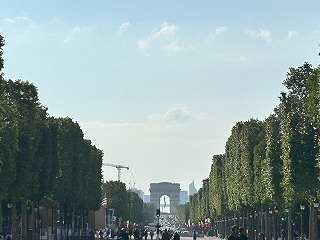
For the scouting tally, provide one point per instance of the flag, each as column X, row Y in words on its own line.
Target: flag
column 164, row 199
column 104, row 202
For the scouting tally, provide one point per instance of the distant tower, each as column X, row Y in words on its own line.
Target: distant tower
column 192, row 189
column 184, row 197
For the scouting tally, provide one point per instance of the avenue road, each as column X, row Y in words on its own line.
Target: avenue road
column 200, row 238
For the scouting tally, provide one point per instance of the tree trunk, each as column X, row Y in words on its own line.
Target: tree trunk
column 1, row 218
column 13, row 219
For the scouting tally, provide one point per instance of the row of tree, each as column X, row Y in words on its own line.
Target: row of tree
column 272, row 163
column 43, row 160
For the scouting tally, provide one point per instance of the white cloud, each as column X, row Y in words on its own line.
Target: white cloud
column 173, row 115
column 174, row 47
column 123, row 28
column 291, row 34
column 23, row 18
column 243, row 59
column 221, row 30
column 75, row 31
column 14, row 20
column 9, row 20
column 263, row 34
column 229, row 58
column 218, row 31
column 166, row 29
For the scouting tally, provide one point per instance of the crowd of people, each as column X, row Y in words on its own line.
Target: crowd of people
column 137, row 234
column 239, row 233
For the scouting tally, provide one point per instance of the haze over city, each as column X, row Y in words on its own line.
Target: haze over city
column 158, row 85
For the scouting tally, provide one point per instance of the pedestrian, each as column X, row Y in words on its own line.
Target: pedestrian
column 261, row 236
column 136, row 234
column 194, row 235
column 123, row 234
column 130, row 232
column 242, row 234
column 235, row 233
column 145, row 234
column 151, row 234
column 283, row 234
column 176, row 236
column 165, row 235
column 100, row 234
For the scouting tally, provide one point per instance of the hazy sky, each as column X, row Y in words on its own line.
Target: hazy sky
column 158, row 85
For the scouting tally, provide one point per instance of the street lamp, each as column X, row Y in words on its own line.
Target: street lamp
column 256, row 214
column 270, row 229
column 29, row 209
column 316, row 205
column 36, row 219
column 9, row 206
column 251, row 236
column 302, row 207
column 287, row 221
column 276, row 222
column 263, row 220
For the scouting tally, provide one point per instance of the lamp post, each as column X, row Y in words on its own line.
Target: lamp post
column 287, row 222
column 314, row 221
column 29, row 209
column 302, row 207
column 270, row 224
column 9, row 205
column 275, row 222
column 256, row 215
column 250, row 228
column 263, row 222
column 36, row 221
column 226, row 227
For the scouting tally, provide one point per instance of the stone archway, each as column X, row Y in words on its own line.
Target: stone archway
column 172, row 190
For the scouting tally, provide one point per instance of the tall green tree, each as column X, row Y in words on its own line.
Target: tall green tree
column 117, row 196
column 299, row 139
column 135, row 207
column 149, row 210
column 8, row 145
column 182, row 213
column 271, row 168
column 70, row 158
column 239, row 172
column 216, row 185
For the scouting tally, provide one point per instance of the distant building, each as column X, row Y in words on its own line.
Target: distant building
column 139, row 192
column 192, row 189
column 146, row 198
column 184, row 197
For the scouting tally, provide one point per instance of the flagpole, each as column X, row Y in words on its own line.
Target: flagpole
column 105, row 213
column 104, row 205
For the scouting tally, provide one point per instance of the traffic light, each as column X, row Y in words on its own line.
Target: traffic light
column 158, row 213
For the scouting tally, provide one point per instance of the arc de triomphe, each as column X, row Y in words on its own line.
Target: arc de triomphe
column 172, row 190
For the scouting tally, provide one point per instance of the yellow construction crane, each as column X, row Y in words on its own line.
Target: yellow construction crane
column 117, row 166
